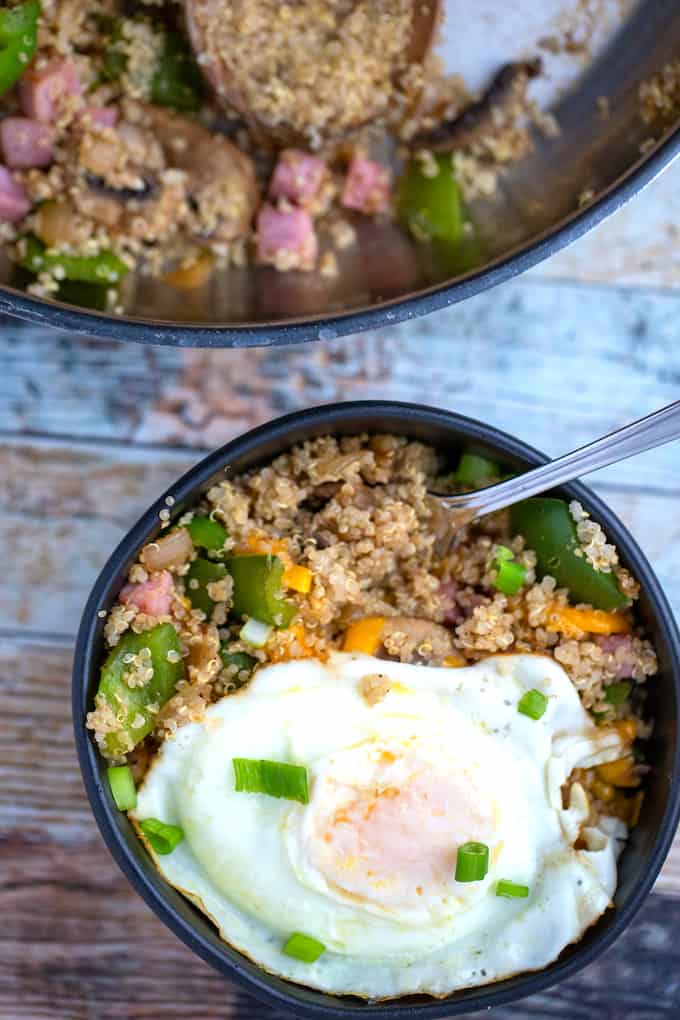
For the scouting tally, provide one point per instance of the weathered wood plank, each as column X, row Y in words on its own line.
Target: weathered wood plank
column 557, row 364
column 64, row 507
column 77, row 943
column 637, row 247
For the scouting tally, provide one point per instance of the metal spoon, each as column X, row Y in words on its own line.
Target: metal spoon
column 656, row 429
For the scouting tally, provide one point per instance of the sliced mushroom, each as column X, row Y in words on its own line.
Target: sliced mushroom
column 122, row 181
column 220, row 179
column 413, row 639
column 501, row 102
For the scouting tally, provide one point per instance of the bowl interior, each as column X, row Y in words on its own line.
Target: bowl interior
column 586, row 56
column 648, row 844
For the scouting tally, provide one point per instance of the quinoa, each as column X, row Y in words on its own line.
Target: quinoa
column 173, row 179
column 355, row 514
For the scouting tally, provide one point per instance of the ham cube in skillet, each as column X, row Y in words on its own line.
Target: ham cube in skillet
column 153, row 597
column 286, row 238
column 100, row 116
column 25, row 142
column 297, row 176
column 45, row 91
column 367, row 187
column 14, row 202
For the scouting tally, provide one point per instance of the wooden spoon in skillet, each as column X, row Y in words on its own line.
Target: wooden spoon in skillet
column 310, row 68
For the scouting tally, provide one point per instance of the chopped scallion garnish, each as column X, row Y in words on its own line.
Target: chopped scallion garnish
column 617, row 693
column 510, row 575
column 122, row 786
column 512, row 890
column 304, row 947
column 162, row 837
column 255, row 633
column 532, row 703
column 472, row 862
column 275, row 778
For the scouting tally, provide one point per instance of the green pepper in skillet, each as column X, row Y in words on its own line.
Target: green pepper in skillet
column 18, row 41
column 105, row 268
column 136, row 707
column 550, row 530
column 430, row 204
column 177, row 82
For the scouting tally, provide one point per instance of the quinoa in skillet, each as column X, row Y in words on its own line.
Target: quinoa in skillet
column 123, row 147
column 336, row 544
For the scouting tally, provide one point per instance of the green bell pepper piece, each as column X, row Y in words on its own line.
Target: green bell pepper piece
column 131, row 704
column 239, row 659
column 85, row 295
column 476, row 470
column 104, row 268
column 18, row 41
column 257, row 589
column 178, row 82
column 203, row 572
column 207, row 533
column 549, row 529
column 431, row 206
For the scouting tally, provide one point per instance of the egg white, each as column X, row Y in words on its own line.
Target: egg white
column 261, row 869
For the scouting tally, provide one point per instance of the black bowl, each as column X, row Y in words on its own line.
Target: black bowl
column 649, row 842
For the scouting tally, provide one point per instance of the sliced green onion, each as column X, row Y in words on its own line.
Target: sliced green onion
column 123, row 788
column 616, row 694
column 510, row 577
column 207, row 533
column 512, row 890
column 475, row 470
column 255, row 633
column 275, row 778
column 532, row 703
column 472, row 862
column 304, row 947
column 162, row 837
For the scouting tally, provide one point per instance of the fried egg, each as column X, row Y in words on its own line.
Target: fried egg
column 406, row 763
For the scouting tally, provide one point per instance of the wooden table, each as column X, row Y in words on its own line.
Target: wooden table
column 93, row 430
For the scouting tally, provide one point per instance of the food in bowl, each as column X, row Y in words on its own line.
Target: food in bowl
column 382, row 758
column 122, row 148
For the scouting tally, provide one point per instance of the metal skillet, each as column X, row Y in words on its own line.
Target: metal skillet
column 589, row 51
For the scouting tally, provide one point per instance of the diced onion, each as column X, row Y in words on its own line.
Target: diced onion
column 255, row 633
column 172, row 550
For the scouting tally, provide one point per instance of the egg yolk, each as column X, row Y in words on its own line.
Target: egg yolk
column 393, row 841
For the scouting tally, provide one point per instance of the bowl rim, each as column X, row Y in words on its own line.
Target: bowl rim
column 330, row 326
column 268, row 988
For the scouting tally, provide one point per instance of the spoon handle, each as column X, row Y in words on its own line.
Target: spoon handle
column 656, row 429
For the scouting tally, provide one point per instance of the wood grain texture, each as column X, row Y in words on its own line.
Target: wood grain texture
column 77, row 944
column 91, row 431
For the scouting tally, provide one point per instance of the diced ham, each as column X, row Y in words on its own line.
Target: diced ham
column 448, row 592
column 297, row 176
column 101, row 116
column 153, row 597
column 25, row 142
column 14, row 202
column 286, row 237
column 44, row 91
column 367, row 187
column 620, row 646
